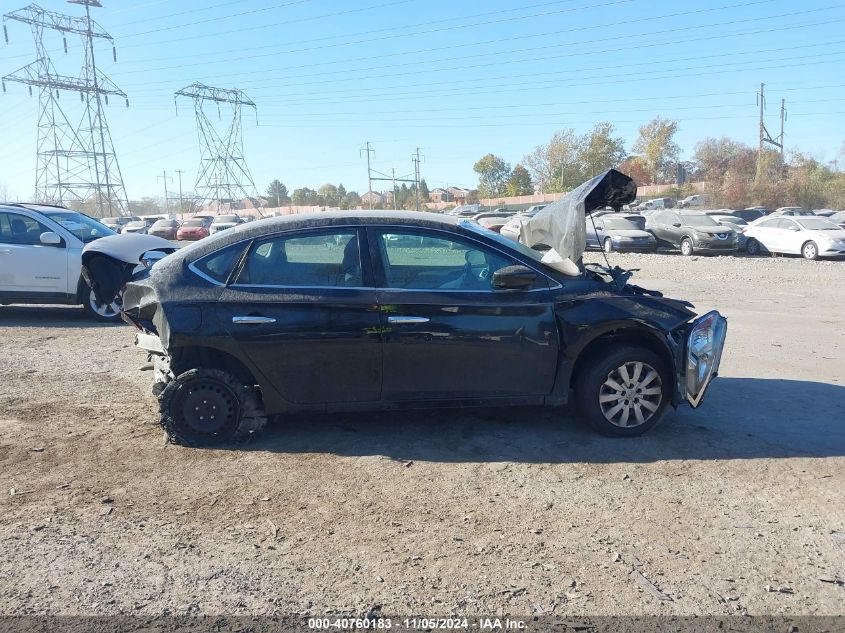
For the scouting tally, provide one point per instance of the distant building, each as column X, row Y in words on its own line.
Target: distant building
column 438, row 194
column 458, row 194
column 372, row 197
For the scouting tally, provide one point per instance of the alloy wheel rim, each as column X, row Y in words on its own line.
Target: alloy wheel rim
column 686, row 247
column 107, row 310
column 809, row 251
column 631, row 394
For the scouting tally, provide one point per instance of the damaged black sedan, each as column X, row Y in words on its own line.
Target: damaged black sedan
column 385, row 310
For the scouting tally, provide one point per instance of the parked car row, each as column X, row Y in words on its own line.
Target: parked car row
column 196, row 228
column 787, row 230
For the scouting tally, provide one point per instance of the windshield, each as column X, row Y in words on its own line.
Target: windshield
column 194, row 223
column 698, row 220
column 136, row 224
column 621, row 224
column 522, row 249
column 85, row 228
column 818, row 224
column 226, row 218
column 731, row 219
column 163, row 223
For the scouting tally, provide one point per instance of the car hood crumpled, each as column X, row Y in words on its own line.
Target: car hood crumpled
column 561, row 225
column 109, row 262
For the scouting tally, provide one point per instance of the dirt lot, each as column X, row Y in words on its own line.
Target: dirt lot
column 735, row 508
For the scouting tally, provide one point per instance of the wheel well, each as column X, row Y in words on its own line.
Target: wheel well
column 629, row 336
column 185, row 358
column 81, row 288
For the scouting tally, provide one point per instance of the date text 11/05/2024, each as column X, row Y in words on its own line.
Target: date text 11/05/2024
column 421, row 623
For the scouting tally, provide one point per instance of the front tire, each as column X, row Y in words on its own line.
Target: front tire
column 686, row 247
column 104, row 313
column 210, row 407
column 753, row 247
column 623, row 392
column 608, row 245
column 810, row 251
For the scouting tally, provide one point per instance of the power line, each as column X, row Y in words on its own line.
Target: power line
column 661, row 44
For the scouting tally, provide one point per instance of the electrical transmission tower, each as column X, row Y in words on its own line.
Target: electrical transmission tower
column 75, row 156
column 223, row 175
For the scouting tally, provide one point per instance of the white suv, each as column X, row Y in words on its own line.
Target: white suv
column 41, row 257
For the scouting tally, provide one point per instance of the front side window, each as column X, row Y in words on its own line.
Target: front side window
column 317, row 259
column 421, row 261
column 85, row 228
column 20, row 229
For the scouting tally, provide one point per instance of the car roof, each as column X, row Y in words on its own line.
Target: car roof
column 35, row 206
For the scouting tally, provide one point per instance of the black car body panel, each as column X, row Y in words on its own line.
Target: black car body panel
column 373, row 346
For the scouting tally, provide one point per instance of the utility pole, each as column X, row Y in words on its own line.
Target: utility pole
column 416, row 159
column 164, row 178
column 369, row 172
column 765, row 137
column 181, row 210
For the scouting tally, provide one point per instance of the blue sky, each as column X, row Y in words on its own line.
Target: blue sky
column 458, row 79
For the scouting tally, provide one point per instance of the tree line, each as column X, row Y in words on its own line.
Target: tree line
column 735, row 174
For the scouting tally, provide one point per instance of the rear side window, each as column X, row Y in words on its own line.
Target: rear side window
column 219, row 265
column 20, row 229
column 316, row 259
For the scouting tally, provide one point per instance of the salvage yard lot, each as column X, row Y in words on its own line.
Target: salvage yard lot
column 735, row 508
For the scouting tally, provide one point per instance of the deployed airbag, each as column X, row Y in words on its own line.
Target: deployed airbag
column 561, row 225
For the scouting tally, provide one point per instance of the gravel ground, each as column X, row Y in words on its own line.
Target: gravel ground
column 734, row 508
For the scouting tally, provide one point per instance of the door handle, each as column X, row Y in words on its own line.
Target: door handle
column 252, row 320
column 5, row 251
column 406, row 319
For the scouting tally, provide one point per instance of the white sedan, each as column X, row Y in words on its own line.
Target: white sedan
column 811, row 237
column 41, row 256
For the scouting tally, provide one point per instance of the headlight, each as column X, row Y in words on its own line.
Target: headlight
column 704, row 351
column 699, row 234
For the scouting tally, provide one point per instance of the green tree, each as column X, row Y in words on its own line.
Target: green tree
column 144, row 206
column 304, row 197
column 556, row 166
column 493, row 173
column 277, row 193
column 519, row 183
column 352, row 200
column 600, row 150
column 329, row 194
column 658, row 149
column 424, row 190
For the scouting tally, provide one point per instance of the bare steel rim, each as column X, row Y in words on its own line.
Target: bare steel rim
column 631, row 394
column 107, row 310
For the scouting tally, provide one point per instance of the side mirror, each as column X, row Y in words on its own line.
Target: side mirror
column 49, row 238
column 514, row 278
column 677, row 225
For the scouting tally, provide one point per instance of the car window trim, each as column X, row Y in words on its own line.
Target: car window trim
column 553, row 284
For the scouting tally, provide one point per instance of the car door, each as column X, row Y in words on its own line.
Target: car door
column 789, row 238
column 595, row 232
column 28, row 267
column 659, row 225
column 303, row 310
column 449, row 335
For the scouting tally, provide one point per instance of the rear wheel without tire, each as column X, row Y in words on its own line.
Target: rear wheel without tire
column 623, row 392
column 686, row 246
column 810, row 251
column 208, row 407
